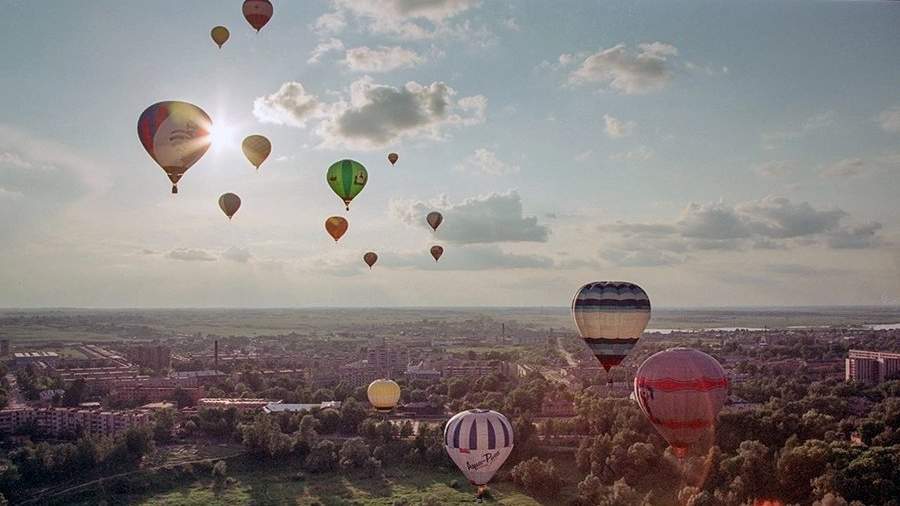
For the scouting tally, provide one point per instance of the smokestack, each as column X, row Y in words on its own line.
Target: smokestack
column 216, row 355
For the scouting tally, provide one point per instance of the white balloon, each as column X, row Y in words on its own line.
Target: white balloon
column 478, row 441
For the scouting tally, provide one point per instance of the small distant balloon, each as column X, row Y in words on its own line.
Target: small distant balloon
column 347, row 178
column 219, row 35
column 436, row 252
column 257, row 12
column 176, row 135
column 256, row 148
column 434, row 219
column 229, row 203
column 370, row 258
column 336, row 227
column 393, row 157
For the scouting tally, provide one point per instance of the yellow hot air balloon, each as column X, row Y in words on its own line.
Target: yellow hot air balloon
column 229, row 203
column 383, row 394
column 256, row 148
column 219, row 35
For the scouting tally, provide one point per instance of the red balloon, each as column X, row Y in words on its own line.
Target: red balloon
column 257, row 12
column 681, row 391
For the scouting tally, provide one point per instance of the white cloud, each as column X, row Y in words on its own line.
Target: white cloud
column 848, row 167
column 290, row 106
column 820, row 121
column 775, row 168
column 511, row 24
column 324, row 47
column 497, row 217
column 616, row 128
column 890, row 120
column 190, row 255
column 407, row 19
column 377, row 114
column 640, row 154
column 632, row 72
column 236, row 254
column 768, row 223
column 484, row 161
column 330, row 23
column 584, row 155
column 381, row 59
column 466, row 258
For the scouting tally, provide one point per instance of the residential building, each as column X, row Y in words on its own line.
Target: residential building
column 871, row 367
column 238, row 404
column 64, row 421
column 154, row 356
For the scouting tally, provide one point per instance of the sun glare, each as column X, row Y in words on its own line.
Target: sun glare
column 222, row 136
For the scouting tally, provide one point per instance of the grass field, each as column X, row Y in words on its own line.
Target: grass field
column 256, row 484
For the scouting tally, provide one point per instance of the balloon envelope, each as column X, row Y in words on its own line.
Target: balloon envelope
column 256, row 148
column 347, row 178
column 257, row 12
column 383, row 394
column 393, row 157
column 176, row 135
column 436, row 252
column 610, row 317
column 336, row 227
column 478, row 441
column 219, row 35
column 681, row 391
column 229, row 203
column 370, row 258
column 434, row 219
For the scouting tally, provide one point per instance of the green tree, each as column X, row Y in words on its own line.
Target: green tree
column 322, row 458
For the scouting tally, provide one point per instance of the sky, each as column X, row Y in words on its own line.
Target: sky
column 715, row 153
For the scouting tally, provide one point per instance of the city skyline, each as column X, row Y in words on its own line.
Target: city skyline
column 714, row 161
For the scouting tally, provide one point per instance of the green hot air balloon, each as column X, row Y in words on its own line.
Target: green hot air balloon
column 347, row 178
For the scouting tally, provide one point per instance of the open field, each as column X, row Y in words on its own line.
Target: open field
column 68, row 325
column 262, row 484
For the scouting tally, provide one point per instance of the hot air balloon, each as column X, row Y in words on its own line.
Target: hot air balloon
column 256, row 148
column 336, row 227
column 383, row 394
column 393, row 157
column 681, row 391
column 370, row 258
column 347, row 178
column 229, row 203
column 257, row 12
column 434, row 219
column 219, row 35
column 436, row 252
column 478, row 441
column 610, row 316
column 176, row 135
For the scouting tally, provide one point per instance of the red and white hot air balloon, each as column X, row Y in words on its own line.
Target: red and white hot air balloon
column 681, row 391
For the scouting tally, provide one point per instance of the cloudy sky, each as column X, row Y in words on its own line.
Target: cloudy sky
column 716, row 153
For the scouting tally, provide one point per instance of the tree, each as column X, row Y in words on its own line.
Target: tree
column 354, row 453
column 74, row 394
column 163, row 423
column 352, row 413
column 263, row 438
column 591, row 490
column 220, row 474
column 322, row 458
column 538, row 477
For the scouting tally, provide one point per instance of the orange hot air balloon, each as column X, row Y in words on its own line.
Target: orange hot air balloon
column 257, row 12
column 434, row 219
column 256, row 148
column 436, row 252
column 393, row 157
column 219, row 35
column 370, row 258
column 336, row 227
column 681, row 391
column 176, row 135
column 229, row 203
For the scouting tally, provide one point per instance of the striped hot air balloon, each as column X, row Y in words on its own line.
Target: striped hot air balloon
column 479, row 442
column 611, row 316
column 681, row 391
column 176, row 135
